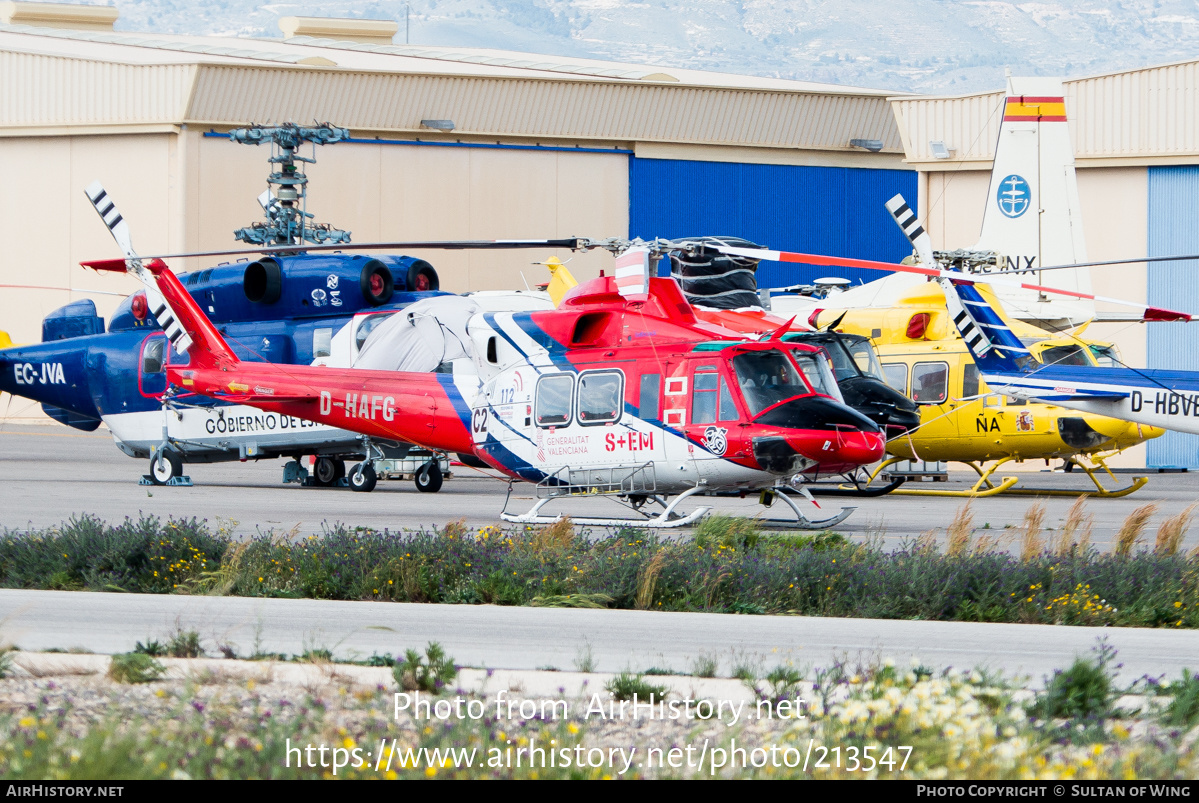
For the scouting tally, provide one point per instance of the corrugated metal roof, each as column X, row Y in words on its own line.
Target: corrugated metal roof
column 1148, row 113
column 604, row 110
column 45, row 90
column 515, row 61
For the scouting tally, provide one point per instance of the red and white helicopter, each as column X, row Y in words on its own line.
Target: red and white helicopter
column 621, row 391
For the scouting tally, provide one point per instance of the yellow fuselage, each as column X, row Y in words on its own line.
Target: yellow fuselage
column 936, row 370
column 993, row 427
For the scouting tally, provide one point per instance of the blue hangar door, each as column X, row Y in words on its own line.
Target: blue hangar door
column 821, row 210
column 1173, row 229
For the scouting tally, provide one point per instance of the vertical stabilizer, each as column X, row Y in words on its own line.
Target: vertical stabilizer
column 1032, row 215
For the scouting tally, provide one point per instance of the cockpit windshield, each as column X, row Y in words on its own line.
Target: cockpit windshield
column 863, row 354
column 816, row 370
column 767, row 378
column 1065, row 355
column 852, row 355
column 1106, row 356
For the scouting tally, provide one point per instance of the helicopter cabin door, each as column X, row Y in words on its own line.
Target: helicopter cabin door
column 713, row 418
column 586, row 434
column 152, row 368
column 930, row 380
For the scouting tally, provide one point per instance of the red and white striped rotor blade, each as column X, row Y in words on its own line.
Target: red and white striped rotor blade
column 1147, row 314
column 632, row 274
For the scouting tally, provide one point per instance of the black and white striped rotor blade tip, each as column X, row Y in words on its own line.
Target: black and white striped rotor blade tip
column 905, row 218
column 107, row 209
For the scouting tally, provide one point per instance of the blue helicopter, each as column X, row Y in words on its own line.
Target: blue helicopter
column 290, row 307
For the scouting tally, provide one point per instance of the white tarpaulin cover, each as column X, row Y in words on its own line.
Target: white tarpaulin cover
column 421, row 336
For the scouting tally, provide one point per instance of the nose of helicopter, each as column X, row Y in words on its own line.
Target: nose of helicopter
column 842, row 446
column 820, row 430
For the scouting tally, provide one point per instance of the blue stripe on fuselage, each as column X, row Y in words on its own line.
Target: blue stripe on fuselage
column 524, row 321
column 455, row 396
column 511, row 461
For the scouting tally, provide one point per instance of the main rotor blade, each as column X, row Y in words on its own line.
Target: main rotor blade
column 1095, row 264
column 573, row 243
column 1149, row 314
column 66, row 289
column 106, row 208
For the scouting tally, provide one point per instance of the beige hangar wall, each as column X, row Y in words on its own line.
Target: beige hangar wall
column 51, row 225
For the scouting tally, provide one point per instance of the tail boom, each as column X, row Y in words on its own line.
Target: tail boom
column 424, row 409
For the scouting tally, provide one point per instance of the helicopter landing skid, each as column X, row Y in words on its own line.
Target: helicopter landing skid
column 668, row 518
column 984, row 487
column 800, row 521
column 860, row 484
column 1091, row 472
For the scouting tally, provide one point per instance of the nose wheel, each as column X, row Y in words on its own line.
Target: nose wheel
column 429, row 478
column 165, row 465
column 363, row 477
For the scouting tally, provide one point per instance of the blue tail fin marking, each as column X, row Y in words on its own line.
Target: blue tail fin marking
column 992, row 343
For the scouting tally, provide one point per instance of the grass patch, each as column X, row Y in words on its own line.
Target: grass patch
column 627, row 684
column 135, row 667
column 705, row 666
column 1183, row 709
column 727, row 567
column 429, row 673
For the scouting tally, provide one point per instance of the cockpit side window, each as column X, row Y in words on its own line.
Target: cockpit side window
column 703, row 397
column 728, row 408
column 767, row 378
column 153, row 355
column 601, row 396
column 552, row 404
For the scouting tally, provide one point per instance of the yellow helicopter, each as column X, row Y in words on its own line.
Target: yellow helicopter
column 961, row 421
column 920, row 351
